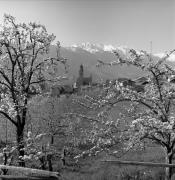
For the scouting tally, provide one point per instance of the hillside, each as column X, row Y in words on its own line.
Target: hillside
column 88, row 55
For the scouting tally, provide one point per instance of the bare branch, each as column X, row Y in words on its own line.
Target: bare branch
column 8, row 117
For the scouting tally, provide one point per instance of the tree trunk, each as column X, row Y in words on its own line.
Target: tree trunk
column 43, row 162
column 20, row 144
column 49, row 160
column 168, row 170
column 52, row 139
column 63, row 157
column 4, row 171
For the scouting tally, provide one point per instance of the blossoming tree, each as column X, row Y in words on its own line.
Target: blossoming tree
column 24, row 66
column 154, row 119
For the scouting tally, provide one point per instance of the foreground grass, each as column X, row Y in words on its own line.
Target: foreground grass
column 96, row 170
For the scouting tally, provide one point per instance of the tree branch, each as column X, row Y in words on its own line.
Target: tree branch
column 139, row 101
column 8, row 117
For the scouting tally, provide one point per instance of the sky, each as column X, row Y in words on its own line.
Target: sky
column 131, row 23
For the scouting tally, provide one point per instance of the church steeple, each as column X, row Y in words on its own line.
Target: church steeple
column 81, row 71
column 82, row 80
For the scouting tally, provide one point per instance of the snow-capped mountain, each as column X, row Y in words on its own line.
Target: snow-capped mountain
column 88, row 54
column 97, row 48
column 94, row 48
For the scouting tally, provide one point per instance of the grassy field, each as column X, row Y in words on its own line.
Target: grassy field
column 91, row 168
column 97, row 170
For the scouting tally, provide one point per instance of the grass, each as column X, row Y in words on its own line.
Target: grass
column 91, row 168
column 100, row 171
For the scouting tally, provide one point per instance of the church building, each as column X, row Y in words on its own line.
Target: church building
column 82, row 80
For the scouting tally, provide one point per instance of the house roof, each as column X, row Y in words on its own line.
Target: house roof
column 141, row 80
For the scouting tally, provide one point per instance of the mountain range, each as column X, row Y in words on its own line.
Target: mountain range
column 88, row 55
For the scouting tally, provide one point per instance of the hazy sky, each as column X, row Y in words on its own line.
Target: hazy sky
column 132, row 23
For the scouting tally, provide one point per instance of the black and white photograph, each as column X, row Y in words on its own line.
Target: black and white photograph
column 87, row 89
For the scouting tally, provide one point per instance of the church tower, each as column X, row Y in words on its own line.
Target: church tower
column 81, row 71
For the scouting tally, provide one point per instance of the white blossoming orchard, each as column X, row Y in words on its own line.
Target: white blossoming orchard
column 153, row 117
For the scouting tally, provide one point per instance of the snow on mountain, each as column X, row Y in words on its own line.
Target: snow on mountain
column 96, row 48
column 160, row 55
column 92, row 48
column 108, row 48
